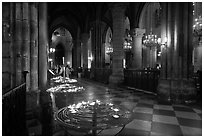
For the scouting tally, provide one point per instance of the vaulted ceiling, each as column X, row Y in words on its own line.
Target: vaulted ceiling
column 72, row 15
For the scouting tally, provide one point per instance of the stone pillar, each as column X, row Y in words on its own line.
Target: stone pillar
column 118, row 14
column 176, row 82
column 43, row 44
column 77, row 51
column 34, row 46
column 85, row 38
column 97, row 44
column 8, row 57
column 26, row 42
column 137, row 35
column 18, row 42
column 93, row 48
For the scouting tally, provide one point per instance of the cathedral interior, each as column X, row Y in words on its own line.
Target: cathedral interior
column 102, row 68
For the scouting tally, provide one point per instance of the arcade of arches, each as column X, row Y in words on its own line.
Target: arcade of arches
column 153, row 48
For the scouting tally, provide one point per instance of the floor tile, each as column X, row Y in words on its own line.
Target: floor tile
column 165, row 119
column 156, row 134
column 184, row 109
column 187, row 115
column 145, row 105
column 191, row 131
column 189, row 122
column 110, row 132
column 142, row 116
column 163, row 107
column 133, row 132
column 163, row 112
column 128, row 105
column 143, row 110
column 139, row 125
column 166, row 129
column 147, row 101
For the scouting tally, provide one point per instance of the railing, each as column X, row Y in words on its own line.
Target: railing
column 142, row 79
column 13, row 111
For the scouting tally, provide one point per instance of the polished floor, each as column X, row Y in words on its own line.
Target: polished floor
column 149, row 117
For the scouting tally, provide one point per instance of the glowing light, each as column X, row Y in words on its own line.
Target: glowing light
column 50, row 59
column 165, row 39
column 150, row 40
column 116, row 116
column 52, row 50
column 61, row 79
column 116, row 110
column 65, row 88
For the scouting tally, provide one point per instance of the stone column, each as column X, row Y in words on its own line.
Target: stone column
column 43, row 44
column 85, row 38
column 176, row 82
column 93, row 48
column 26, row 42
column 8, row 57
column 77, row 51
column 137, row 35
column 18, row 42
column 34, row 46
column 118, row 14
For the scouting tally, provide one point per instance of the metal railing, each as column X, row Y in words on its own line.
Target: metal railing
column 142, row 79
column 13, row 111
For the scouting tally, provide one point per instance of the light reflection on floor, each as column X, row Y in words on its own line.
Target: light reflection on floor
column 149, row 116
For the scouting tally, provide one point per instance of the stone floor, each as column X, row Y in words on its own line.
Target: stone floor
column 149, row 117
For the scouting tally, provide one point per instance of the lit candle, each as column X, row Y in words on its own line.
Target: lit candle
column 63, row 60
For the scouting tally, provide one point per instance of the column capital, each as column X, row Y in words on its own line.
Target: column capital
column 137, row 32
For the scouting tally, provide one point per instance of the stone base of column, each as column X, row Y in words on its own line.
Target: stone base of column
column 176, row 90
column 116, row 80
